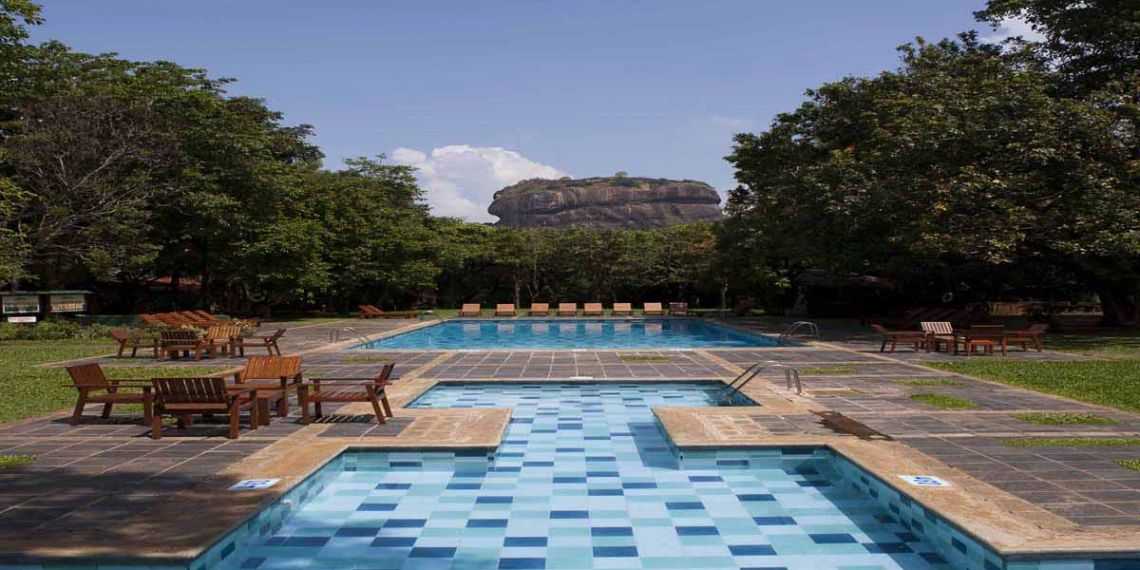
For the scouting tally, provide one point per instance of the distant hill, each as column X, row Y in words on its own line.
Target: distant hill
column 605, row 202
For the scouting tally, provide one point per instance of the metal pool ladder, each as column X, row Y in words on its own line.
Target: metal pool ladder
column 791, row 377
column 799, row 329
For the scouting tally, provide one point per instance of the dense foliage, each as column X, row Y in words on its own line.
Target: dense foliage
column 972, row 171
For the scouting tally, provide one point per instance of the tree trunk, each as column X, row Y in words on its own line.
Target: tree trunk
column 1118, row 302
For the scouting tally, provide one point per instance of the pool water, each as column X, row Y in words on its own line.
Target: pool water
column 584, row 479
column 572, row 333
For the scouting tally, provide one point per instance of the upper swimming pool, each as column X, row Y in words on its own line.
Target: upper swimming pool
column 572, row 333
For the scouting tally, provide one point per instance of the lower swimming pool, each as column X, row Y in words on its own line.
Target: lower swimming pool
column 584, row 479
column 542, row 334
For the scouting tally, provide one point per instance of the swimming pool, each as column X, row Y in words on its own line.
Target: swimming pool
column 583, row 479
column 572, row 333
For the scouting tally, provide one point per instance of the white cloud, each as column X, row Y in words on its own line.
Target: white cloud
column 1011, row 28
column 460, row 179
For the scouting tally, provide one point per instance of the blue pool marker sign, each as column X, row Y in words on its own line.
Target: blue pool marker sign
column 924, row 480
column 254, row 484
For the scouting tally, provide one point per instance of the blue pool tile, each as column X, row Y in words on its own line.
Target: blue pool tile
column 697, row 531
column 684, row 505
column 756, row 497
column 774, row 521
column 405, row 523
column 615, row 551
column 487, row 523
column 357, row 531
column 394, row 486
column 494, row 500
column 522, row 563
column 752, row 550
column 394, row 541
column 833, row 538
column 433, row 552
column 611, row 531
column 377, row 507
column 887, row 548
column 525, row 541
column 569, row 514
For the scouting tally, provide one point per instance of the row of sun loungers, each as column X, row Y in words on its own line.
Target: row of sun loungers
column 936, row 335
column 571, row 310
column 265, row 382
column 374, row 312
column 179, row 319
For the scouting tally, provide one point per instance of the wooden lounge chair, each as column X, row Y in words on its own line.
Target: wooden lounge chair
column 125, row 340
column 679, row 309
column 567, row 309
column 370, row 312
column 185, row 397
column 539, row 309
column 274, row 377
column 269, row 343
column 622, row 310
column 194, row 318
column 172, row 320
column 471, row 310
column 592, row 310
column 206, row 316
column 938, row 333
column 652, row 310
column 370, row 390
column 504, row 310
column 173, row 343
column 1034, row 335
column 917, row 339
column 152, row 320
column 94, row 386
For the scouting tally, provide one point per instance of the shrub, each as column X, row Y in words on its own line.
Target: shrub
column 52, row 330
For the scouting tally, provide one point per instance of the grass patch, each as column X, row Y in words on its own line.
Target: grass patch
column 828, row 370
column 1113, row 383
column 930, row 382
column 1108, row 344
column 944, row 402
column 641, row 358
column 32, row 391
column 1073, row 442
column 1133, row 464
column 1064, row 419
column 10, row 461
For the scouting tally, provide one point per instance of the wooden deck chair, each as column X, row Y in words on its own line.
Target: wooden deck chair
column 173, row 343
column 274, row 377
column 269, row 343
column 194, row 318
column 206, row 316
column 371, row 390
column 592, row 310
column 172, row 320
column 567, row 309
column 223, row 337
column 471, row 310
column 504, row 310
column 622, row 310
column 125, row 340
column 152, row 320
column 539, row 309
column 679, row 309
column 94, row 386
column 892, row 338
column 186, row 397
column 370, row 312
column 652, row 309
column 939, row 333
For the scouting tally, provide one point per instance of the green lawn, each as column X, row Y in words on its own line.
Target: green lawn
column 1113, row 383
column 1107, row 344
column 31, row 391
column 944, row 402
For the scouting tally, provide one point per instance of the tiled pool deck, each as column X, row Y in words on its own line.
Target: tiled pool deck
column 103, row 488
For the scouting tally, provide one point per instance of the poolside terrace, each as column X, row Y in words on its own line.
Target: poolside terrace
column 103, row 488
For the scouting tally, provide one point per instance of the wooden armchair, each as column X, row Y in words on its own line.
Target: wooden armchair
column 370, row 312
column 539, row 309
column 567, row 309
column 94, row 386
column 223, row 337
column 1034, row 335
column 172, row 343
column 185, row 397
column 269, row 343
column 471, row 310
column 370, row 390
column 622, row 310
column 679, row 309
column 652, row 310
column 125, row 340
column 504, row 310
column 592, row 310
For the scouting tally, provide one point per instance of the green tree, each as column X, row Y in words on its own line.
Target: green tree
column 962, row 158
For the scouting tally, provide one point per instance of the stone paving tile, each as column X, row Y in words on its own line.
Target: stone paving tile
column 959, row 423
column 793, row 356
column 547, row 364
column 1084, row 485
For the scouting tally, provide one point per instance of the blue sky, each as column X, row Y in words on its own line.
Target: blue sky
column 480, row 94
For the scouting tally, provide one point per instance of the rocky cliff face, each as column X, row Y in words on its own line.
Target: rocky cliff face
column 614, row 202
